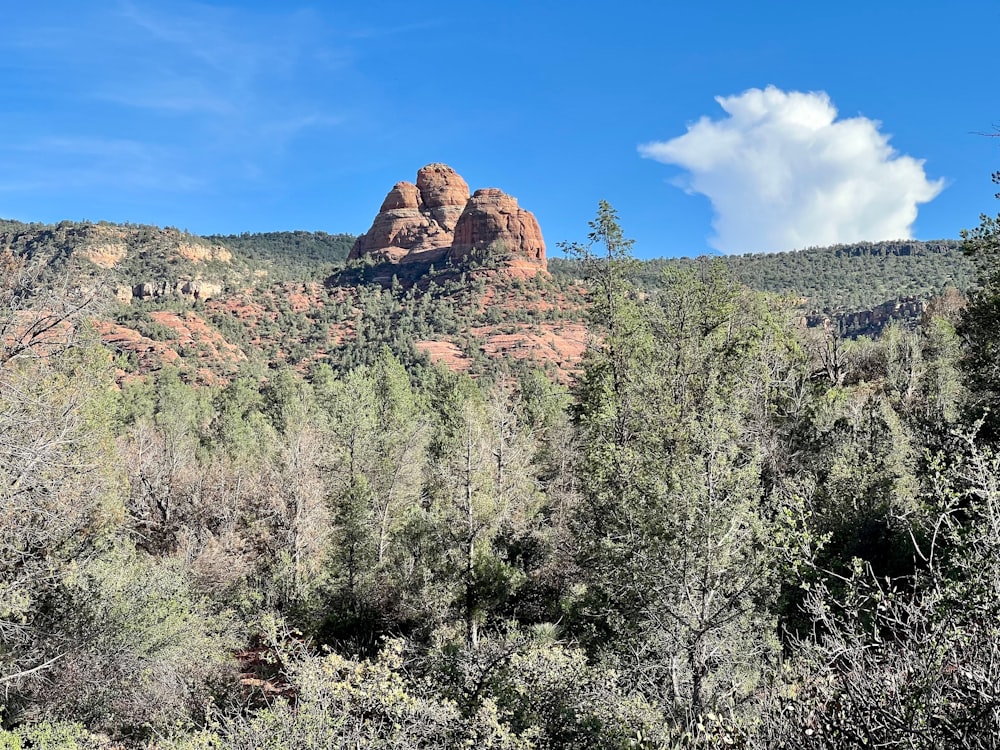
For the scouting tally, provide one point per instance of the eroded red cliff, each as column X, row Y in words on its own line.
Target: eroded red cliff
column 436, row 220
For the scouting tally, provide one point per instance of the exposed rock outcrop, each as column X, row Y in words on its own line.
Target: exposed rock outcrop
column 869, row 322
column 444, row 193
column 492, row 222
column 192, row 289
column 436, row 220
column 106, row 255
column 416, row 222
column 201, row 253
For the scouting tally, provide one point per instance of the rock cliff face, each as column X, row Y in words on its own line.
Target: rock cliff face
column 493, row 223
column 191, row 289
column 416, row 222
column 436, row 220
column 444, row 193
column 869, row 322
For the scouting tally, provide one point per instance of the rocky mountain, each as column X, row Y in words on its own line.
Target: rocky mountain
column 436, row 221
column 441, row 276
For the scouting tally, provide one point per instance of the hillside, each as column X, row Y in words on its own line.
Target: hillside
column 837, row 279
column 289, row 256
column 213, row 305
column 859, row 288
column 297, row 515
column 860, row 276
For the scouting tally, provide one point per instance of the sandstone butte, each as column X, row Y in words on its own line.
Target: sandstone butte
column 436, row 221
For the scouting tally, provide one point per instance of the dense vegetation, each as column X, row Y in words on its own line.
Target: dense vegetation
column 302, row 324
column 141, row 253
column 289, row 256
column 732, row 531
column 837, row 278
column 832, row 279
column 860, row 276
column 138, row 252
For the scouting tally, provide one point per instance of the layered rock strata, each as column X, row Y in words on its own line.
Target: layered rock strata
column 416, row 223
column 493, row 225
column 436, row 220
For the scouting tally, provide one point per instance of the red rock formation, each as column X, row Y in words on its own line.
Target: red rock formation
column 492, row 222
column 436, row 218
column 402, row 195
column 444, row 192
column 416, row 222
column 403, row 227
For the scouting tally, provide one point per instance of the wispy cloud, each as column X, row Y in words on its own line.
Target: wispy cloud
column 191, row 92
column 291, row 127
column 61, row 163
column 382, row 32
column 232, row 44
column 86, row 146
column 782, row 172
column 219, row 62
column 177, row 97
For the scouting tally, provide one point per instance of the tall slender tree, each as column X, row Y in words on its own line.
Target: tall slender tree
column 683, row 538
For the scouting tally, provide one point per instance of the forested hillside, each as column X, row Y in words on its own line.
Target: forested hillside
column 725, row 530
column 856, row 277
column 215, row 307
column 832, row 279
column 211, row 306
column 290, row 256
column 142, row 253
column 841, row 278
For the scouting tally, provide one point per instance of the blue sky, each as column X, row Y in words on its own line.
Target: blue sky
column 721, row 125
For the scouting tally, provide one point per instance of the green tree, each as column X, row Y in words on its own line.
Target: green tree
column 467, row 500
column 61, row 491
column 378, row 435
column 682, row 537
column 482, row 497
column 980, row 322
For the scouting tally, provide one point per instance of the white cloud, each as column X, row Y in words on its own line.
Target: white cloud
column 782, row 172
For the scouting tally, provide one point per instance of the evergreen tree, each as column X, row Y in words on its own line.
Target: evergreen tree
column 980, row 322
column 683, row 542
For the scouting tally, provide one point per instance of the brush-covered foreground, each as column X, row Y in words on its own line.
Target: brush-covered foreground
column 728, row 530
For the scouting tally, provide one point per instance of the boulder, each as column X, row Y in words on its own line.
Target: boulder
column 404, row 195
column 124, row 294
column 200, row 290
column 195, row 289
column 144, row 290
